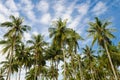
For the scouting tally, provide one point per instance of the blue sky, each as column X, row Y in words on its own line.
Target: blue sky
column 39, row 14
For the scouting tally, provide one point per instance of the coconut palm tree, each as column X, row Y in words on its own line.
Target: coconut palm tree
column 100, row 33
column 7, row 48
column 54, row 56
column 72, row 41
column 13, row 66
column 23, row 57
column 88, row 52
column 15, row 33
column 38, row 48
column 31, row 74
column 2, row 74
column 59, row 33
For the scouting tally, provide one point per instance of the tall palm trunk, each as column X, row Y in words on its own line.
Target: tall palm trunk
column 7, row 74
column 35, row 68
column 64, row 65
column 81, row 74
column 9, row 70
column 19, row 74
column 56, row 77
column 109, row 57
column 92, row 74
column 52, row 66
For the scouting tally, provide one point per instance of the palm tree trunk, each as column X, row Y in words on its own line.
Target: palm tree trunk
column 81, row 74
column 35, row 69
column 19, row 73
column 16, row 75
column 7, row 75
column 11, row 56
column 92, row 74
column 9, row 70
column 64, row 65
column 109, row 57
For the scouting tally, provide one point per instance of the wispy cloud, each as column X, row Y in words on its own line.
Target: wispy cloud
column 27, row 7
column 75, row 22
column 43, row 6
column 83, row 8
column 59, row 8
column 67, row 14
column 99, row 8
column 27, row 36
column 45, row 19
column 10, row 4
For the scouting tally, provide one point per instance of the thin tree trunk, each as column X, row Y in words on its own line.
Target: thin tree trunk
column 56, row 69
column 7, row 75
column 92, row 74
column 19, row 73
column 35, row 69
column 11, row 57
column 81, row 74
column 16, row 75
column 109, row 57
column 64, row 65
column 9, row 70
column 53, row 70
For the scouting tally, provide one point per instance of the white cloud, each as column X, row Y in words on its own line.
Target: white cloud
column 59, row 8
column 2, row 18
column 99, row 8
column 45, row 32
column 83, row 8
column 4, row 10
column 27, row 36
column 69, row 10
column 74, row 23
column 67, row 16
column 45, row 19
column 27, row 7
column 11, row 5
column 35, row 33
column 43, row 6
column 31, row 16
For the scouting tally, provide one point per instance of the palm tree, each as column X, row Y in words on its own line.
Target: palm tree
column 38, row 48
column 23, row 57
column 102, row 35
column 59, row 33
column 15, row 32
column 31, row 74
column 90, row 60
column 8, row 47
column 2, row 74
column 72, row 41
column 13, row 66
column 79, row 62
column 54, row 56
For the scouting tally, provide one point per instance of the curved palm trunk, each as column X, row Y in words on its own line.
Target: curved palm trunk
column 109, row 57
